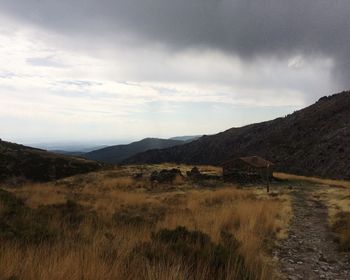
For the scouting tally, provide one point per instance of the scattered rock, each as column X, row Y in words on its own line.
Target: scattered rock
column 165, row 175
column 138, row 176
column 194, row 173
column 322, row 258
column 309, row 252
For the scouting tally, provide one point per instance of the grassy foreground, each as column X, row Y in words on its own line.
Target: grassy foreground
column 107, row 225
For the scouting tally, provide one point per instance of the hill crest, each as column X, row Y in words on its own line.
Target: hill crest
column 313, row 141
column 118, row 153
column 19, row 161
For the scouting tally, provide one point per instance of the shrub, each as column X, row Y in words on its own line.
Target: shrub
column 12, row 205
column 25, row 225
column 138, row 215
column 196, row 251
column 69, row 213
column 20, row 222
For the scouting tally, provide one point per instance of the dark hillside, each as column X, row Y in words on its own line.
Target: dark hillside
column 39, row 165
column 313, row 141
column 118, row 153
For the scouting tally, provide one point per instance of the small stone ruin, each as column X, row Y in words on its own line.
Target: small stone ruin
column 196, row 175
column 165, row 175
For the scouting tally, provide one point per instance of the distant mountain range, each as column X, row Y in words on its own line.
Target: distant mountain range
column 18, row 161
column 67, row 148
column 116, row 154
column 314, row 141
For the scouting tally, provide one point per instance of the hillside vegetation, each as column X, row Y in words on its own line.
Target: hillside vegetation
column 108, row 225
column 313, row 142
column 20, row 163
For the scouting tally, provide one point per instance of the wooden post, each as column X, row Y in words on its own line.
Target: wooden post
column 268, row 178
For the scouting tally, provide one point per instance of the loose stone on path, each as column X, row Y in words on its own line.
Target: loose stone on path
column 308, row 252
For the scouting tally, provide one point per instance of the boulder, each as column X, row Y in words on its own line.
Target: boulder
column 138, row 176
column 165, row 175
column 194, row 173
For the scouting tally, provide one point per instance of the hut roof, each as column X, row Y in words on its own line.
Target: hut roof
column 254, row 161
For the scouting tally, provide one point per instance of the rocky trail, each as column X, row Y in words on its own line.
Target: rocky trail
column 310, row 251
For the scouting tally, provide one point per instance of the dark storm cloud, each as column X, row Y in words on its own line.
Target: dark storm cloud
column 245, row 28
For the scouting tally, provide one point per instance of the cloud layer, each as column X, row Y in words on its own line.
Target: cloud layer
column 247, row 28
column 124, row 64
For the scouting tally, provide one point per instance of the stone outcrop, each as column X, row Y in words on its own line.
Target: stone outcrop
column 165, row 175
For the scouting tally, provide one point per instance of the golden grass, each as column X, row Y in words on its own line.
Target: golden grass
column 251, row 220
column 62, row 261
column 253, row 217
column 329, row 182
column 40, row 194
column 337, row 200
column 335, row 193
column 121, row 182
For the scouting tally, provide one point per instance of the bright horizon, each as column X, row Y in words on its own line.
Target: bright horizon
column 42, row 142
column 113, row 71
column 157, row 134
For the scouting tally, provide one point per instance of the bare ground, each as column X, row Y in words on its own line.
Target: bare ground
column 310, row 252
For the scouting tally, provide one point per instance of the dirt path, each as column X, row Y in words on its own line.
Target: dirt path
column 310, row 251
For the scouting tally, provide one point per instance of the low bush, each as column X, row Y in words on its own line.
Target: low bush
column 33, row 226
column 196, row 251
column 20, row 223
column 138, row 215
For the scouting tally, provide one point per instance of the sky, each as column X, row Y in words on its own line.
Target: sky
column 113, row 71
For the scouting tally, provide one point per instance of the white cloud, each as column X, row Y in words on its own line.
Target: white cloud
column 51, row 89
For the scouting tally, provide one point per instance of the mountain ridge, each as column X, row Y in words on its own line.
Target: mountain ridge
column 186, row 138
column 19, row 161
column 313, row 141
column 117, row 153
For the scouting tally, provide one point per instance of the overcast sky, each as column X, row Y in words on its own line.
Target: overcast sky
column 110, row 70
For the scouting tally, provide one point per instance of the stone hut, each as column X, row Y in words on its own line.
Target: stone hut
column 247, row 169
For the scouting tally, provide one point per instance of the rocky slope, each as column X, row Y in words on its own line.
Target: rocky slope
column 18, row 161
column 314, row 141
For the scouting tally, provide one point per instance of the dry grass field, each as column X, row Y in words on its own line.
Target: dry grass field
column 322, row 181
column 107, row 225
